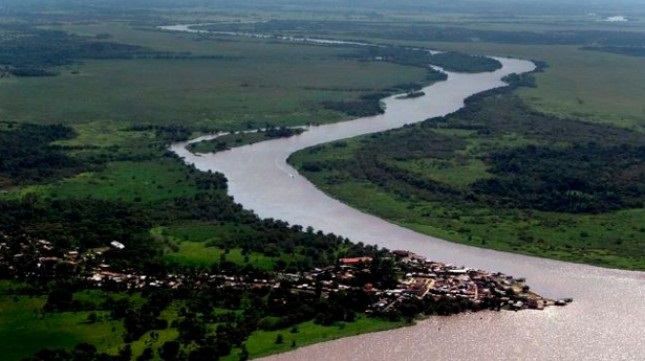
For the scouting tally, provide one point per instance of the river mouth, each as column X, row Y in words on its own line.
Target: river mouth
column 604, row 323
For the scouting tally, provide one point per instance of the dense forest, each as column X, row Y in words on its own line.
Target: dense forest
column 31, row 155
column 27, row 51
column 28, row 156
column 589, row 178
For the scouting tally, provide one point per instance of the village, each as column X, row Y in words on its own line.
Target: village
column 417, row 278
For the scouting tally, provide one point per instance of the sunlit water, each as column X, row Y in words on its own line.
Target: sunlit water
column 605, row 322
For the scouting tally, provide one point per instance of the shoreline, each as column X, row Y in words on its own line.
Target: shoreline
column 185, row 146
column 252, row 170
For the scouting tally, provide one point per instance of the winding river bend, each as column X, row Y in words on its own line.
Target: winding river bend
column 605, row 322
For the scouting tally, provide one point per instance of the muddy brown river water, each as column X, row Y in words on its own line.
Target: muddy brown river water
column 606, row 321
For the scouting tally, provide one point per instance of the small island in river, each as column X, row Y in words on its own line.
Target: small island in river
column 412, row 94
column 238, row 139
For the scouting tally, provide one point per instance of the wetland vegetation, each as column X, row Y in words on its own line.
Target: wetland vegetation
column 238, row 139
column 90, row 98
column 498, row 174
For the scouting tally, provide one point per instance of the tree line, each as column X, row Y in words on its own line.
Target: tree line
column 28, row 155
column 27, row 51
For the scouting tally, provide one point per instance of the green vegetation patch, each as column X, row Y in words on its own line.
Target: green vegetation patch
column 25, row 328
column 207, row 246
column 623, row 50
column 29, row 157
column 496, row 174
column 592, row 86
column 29, row 52
column 603, row 86
column 589, row 178
column 231, row 140
column 366, row 105
column 135, row 93
column 282, row 84
column 263, row 343
column 451, row 61
column 131, row 182
column 199, row 254
column 461, row 27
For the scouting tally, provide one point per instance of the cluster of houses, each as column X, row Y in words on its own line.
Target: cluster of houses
column 418, row 277
column 39, row 258
column 426, row 279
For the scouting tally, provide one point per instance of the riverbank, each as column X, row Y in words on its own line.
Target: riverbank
column 262, row 344
column 552, row 334
column 122, row 184
column 125, row 192
column 239, row 139
column 448, row 177
column 380, row 290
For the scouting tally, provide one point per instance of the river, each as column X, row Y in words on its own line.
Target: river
column 606, row 321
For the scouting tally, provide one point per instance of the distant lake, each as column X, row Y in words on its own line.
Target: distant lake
column 616, row 19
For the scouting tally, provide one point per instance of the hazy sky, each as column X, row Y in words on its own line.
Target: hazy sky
column 516, row 6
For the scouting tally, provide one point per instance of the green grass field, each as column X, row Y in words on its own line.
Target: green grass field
column 611, row 239
column 256, row 82
column 205, row 93
column 125, row 181
column 598, row 86
column 129, row 181
column 199, row 254
column 595, row 86
column 196, row 244
column 24, row 328
column 262, row 343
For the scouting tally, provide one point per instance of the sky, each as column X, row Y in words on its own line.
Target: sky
column 478, row 6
